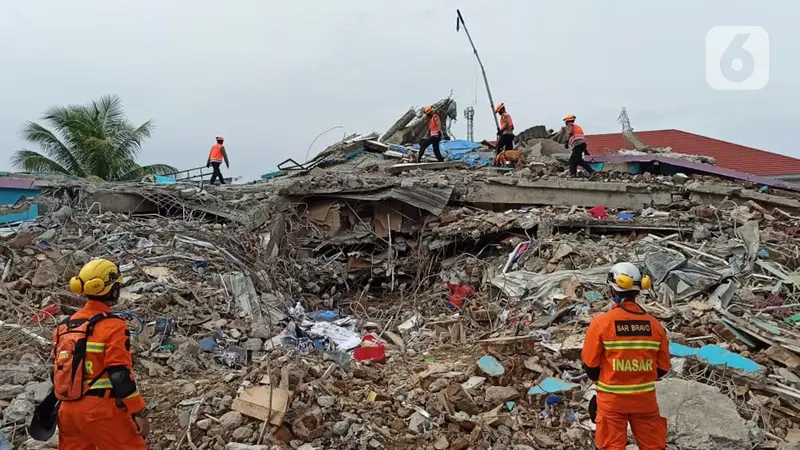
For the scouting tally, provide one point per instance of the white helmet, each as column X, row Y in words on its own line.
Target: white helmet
column 625, row 277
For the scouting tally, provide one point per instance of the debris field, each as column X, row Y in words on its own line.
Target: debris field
column 364, row 302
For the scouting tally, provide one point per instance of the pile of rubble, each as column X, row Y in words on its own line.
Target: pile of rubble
column 367, row 303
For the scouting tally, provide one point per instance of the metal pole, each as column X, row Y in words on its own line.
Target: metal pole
column 460, row 22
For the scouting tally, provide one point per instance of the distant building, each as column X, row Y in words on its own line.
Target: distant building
column 727, row 155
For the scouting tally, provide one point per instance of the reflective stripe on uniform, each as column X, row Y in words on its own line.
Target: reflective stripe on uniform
column 95, row 347
column 631, row 345
column 626, row 388
column 133, row 395
column 101, row 383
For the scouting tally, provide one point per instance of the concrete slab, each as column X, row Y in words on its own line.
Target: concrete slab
column 566, row 193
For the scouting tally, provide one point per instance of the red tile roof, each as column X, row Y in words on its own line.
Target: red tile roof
column 727, row 155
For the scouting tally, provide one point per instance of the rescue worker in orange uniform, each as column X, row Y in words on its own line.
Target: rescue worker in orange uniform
column 625, row 352
column 215, row 158
column 577, row 140
column 100, row 405
column 434, row 136
column 505, row 134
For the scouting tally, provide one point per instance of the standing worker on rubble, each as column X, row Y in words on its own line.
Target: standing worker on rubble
column 101, row 407
column 505, row 134
column 625, row 352
column 215, row 158
column 576, row 140
column 434, row 136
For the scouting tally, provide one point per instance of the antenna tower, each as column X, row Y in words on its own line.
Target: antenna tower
column 469, row 114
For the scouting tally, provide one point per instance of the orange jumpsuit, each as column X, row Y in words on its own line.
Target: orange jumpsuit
column 631, row 350
column 96, row 421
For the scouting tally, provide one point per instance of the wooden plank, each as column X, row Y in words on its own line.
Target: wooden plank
column 255, row 402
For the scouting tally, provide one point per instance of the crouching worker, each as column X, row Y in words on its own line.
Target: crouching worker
column 99, row 404
column 625, row 352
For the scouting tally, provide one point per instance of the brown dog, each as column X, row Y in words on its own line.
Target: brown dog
column 515, row 157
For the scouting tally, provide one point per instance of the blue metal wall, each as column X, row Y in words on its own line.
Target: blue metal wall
column 10, row 196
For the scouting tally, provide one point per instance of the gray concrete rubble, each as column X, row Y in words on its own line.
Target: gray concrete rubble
column 362, row 301
column 700, row 417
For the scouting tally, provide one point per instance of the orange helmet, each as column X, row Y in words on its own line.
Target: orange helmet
column 569, row 118
column 428, row 109
column 499, row 107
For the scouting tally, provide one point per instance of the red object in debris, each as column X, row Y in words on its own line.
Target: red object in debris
column 458, row 293
column 46, row 313
column 372, row 349
column 598, row 212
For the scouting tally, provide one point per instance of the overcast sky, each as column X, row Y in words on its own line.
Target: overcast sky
column 270, row 75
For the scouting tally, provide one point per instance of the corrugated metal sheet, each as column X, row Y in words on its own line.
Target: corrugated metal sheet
column 697, row 167
column 433, row 200
column 16, row 183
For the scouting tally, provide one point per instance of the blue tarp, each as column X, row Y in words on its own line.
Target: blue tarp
column 716, row 356
column 458, row 150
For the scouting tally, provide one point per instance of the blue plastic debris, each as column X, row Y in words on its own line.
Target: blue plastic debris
column 160, row 179
column 593, row 296
column 625, row 216
column 553, row 399
column 324, row 316
column 271, row 175
column 717, row 356
column 551, row 385
column 209, row 344
column 491, row 366
column 511, row 405
column 335, row 159
column 763, row 253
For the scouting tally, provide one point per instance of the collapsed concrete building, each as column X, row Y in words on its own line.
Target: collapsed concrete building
column 360, row 301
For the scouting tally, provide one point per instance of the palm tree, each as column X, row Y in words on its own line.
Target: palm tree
column 89, row 141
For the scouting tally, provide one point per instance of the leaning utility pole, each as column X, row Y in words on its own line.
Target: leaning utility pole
column 460, row 23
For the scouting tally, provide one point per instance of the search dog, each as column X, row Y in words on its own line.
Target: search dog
column 513, row 157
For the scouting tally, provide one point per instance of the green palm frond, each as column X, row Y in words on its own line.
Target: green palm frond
column 52, row 146
column 94, row 140
column 35, row 162
column 143, row 171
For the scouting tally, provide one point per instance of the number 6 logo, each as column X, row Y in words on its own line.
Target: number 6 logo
column 737, row 58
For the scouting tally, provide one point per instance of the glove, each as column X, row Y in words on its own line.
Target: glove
column 208, row 164
column 227, row 166
column 586, row 151
column 566, row 145
column 593, row 409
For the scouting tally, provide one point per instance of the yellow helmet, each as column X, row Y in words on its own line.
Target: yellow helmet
column 428, row 109
column 96, row 278
column 499, row 107
column 569, row 118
